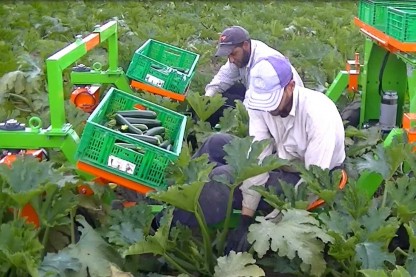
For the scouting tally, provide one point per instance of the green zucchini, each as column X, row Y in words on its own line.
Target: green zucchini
column 155, row 131
column 142, row 127
column 138, row 114
column 130, row 146
column 149, row 139
column 123, row 121
column 164, row 144
column 159, row 138
column 148, row 122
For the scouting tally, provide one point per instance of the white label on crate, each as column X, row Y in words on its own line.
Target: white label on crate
column 154, row 80
column 121, row 164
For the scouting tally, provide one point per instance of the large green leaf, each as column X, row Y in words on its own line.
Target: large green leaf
column 188, row 170
column 237, row 264
column 124, row 234
column 411, row 231
column 342, row 249
column 205, row 106
column 20, row 248
column 54, row 206
column 384, row 160
column 95, row 255
column 297, row 234
column 320, row 182
column 363, row 140
column 158, row 244
column 59, row 264
column 337, row 222
column 373, row 256
column 243, row 157
column 140, row 216
column 403, row 194
column 235, row 120
column 411, row 263
column 26, row 178
column 378, row 224
column 203, row 130
column 184, row 197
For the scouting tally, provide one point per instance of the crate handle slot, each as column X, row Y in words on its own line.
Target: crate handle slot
column 178, row 54
column 163, row 70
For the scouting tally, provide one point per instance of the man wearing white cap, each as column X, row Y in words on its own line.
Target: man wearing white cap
column 233, row 77
column 304, row 124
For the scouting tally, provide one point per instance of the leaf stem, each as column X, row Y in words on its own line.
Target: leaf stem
column 224, row 232
column 206, row 237
column 72, row 218
column 383, row 202
column 172, row 261
column 45, row 240
column 184, row 263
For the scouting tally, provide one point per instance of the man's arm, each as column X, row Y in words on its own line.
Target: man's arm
column 259, row 130
column 223, row 80
column 323, row 134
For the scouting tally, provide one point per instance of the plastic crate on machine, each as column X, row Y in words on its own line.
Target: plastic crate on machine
column 374, row 12
column 163, row 66
column 101, row 148
column 401, row 24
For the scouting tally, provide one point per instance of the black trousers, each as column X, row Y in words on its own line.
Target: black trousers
column 214, row 195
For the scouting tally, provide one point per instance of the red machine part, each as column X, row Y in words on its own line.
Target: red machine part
column 319, row 202
column 86, row 98
column 353, row 69
column 28, row 211
column 409, row 126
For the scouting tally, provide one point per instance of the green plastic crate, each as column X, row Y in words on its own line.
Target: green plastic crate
column 163, row 65
column 147, row 167
column 401, row 24
column 374, row 12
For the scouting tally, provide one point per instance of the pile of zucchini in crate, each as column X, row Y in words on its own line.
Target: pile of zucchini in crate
column 142, row 125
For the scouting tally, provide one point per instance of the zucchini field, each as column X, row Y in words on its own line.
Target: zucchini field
column 55, row 221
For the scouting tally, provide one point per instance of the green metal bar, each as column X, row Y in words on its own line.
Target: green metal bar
column 109, row 32
column 393, row 78
column 412, row 87
column 61, row 60
column 69, row 54
column 119, row 79
column 113, row 53
column 56, row 96
column 33, row 140
column 338, row 86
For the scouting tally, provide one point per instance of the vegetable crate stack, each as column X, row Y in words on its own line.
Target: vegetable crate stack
column 162, row 69
column 130, row 141
column 396, row 18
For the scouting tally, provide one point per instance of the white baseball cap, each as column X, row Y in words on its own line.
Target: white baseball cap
column 268, row 79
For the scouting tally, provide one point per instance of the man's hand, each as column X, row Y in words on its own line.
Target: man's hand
column 237, row 238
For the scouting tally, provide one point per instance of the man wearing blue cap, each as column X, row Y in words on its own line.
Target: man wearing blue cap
column 233, row 77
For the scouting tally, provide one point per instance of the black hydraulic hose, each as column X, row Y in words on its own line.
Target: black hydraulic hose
column 380, row 75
